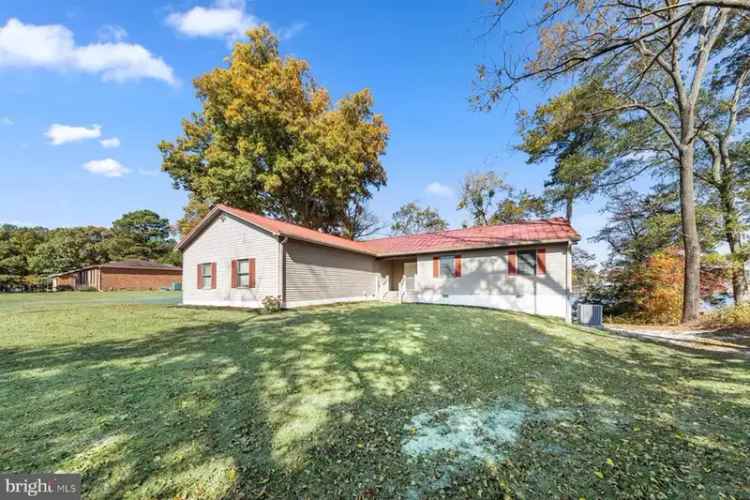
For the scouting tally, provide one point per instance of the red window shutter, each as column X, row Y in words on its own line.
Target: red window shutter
column 436, row 267
column 235, row 284
column 457, row 266
column 541, row 262
column 213, row 275
column 512, row 263
column 200, row 276
column 251, row 272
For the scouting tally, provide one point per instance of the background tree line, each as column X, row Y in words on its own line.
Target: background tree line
column 28, row 254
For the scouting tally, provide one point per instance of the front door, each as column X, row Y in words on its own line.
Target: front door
column 401, row 270
column 397, row 272
column 410, row 268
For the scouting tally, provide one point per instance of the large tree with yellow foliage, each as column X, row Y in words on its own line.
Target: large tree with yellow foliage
column 269, row 140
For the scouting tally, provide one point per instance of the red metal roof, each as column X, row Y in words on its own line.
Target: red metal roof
column 135, row 264
column 522, row 233
column 294, row 231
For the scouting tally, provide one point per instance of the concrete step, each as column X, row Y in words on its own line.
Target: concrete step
column 396, row 297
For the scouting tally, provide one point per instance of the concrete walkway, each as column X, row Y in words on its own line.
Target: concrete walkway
column 734, row 343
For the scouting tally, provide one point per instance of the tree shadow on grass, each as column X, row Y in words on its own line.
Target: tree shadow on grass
column 711, row 347
column 317, row 403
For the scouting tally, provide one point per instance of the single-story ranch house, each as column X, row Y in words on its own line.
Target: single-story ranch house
column 236, row 258
column 120, row 275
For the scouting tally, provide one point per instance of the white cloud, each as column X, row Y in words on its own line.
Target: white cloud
column 226, row 19
column 290, row 31
column 223, row 19
column 6, row 120
column 60, row 134
column 112, row 142
column 439, row 189
column 52, row 46
column 107, row 167
column 111, row 33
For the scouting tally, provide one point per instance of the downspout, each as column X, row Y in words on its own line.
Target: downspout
column 281, row 278
column 568, row 312
column 534, row 281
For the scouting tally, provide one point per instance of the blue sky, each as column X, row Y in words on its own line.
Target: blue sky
column 75, row 76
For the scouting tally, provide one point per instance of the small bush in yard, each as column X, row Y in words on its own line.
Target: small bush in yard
column 271, row 303
column 729, row 316
column 657, row 286
column 659, row 297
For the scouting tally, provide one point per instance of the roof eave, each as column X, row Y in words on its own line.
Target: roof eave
column 477, row 247
column 84, row 268
column 198, row 227
column 211, row 215
column 141, row 268
column 208, row 218
column 330, row 245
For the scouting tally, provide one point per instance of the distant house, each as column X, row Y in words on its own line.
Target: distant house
column 120, row 275
column 236, row 258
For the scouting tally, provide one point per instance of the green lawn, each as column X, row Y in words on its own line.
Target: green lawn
column 368, row 400
column 13, row 302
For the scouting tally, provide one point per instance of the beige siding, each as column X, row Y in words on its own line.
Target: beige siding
column 485, row 282
column 317, row 274
column 224, row 240
column 383, row 271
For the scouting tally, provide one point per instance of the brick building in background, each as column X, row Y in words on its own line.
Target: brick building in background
column 120, row 275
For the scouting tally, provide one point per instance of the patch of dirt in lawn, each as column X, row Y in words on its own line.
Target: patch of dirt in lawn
column 447, row 441
column 719, row 341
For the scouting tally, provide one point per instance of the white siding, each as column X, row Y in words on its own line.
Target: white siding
column 485, row 282
column 318, row 274
column 226, row 239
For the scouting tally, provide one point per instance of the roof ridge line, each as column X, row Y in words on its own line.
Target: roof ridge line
column 374, row 247
column 525, row 221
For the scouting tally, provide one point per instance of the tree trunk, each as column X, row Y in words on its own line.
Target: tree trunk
column 730, row 212
column 739, row 281
column 730, row 218
column 569, row 208
column 691, row 291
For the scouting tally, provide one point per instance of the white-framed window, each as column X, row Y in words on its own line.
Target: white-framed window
column 243, row 273
column 527, row 262
column 206, row 275
column 447, row 265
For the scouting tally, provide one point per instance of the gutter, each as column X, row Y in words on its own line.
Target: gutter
column 488, row 246
column 568, row 312
column 281, row 275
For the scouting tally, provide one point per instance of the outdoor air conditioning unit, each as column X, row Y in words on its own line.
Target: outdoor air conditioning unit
column 590, row 314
